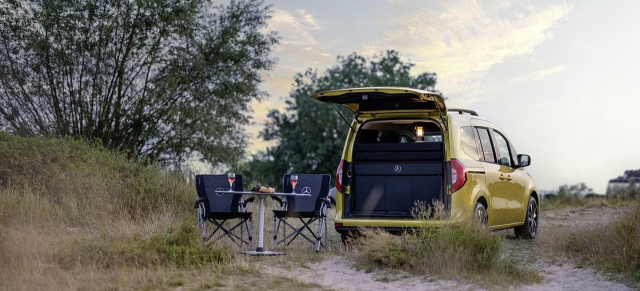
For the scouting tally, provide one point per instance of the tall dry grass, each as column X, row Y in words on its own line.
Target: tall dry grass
column 612, row 246
column 455, row 249
column 74, row 216
column 67, row 208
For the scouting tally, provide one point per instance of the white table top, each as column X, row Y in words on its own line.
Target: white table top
column 265, row 194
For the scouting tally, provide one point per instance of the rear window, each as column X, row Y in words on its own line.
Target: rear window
column 468, row 142
column 399, row 131
column 486, row 148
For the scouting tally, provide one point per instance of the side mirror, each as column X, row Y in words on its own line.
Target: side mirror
column 524, row 161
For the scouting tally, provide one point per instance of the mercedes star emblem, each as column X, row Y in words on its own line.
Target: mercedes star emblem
column 306, row 190
column 397, row 169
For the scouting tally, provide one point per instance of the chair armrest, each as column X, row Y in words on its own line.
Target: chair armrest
column 198, row 201
column 249, row 200
column 277, row 199
column 281, row 201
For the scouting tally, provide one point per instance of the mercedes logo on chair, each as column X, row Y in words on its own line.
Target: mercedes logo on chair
column 306, row 190
column 397, row 169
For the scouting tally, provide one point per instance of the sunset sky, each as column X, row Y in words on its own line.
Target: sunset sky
column 560, row 78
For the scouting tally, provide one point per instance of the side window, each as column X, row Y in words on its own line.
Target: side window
column 503, row 149
column 485, row 145
column 468, row 142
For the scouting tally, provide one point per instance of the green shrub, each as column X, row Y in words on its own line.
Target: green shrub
column 453, row 249
column 178, row 246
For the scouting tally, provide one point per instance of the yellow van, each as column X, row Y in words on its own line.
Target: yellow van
column 406, row 146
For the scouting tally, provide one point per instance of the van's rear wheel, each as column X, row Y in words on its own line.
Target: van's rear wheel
column 530, row 227
column 480, row 216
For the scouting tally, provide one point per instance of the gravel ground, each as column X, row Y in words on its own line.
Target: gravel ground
column 558, row 273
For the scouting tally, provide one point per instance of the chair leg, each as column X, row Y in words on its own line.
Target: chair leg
column 276, row 225
column 202, row 222
column 320, row 228
column 284, row 232
column 248, row 223
column 326, row 232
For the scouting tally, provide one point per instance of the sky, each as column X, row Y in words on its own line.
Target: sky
column 560, row 78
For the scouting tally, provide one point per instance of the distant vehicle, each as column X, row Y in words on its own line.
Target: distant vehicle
column 405, row 146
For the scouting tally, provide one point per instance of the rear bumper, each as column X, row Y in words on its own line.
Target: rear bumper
column 391, row 225
column 353, row 229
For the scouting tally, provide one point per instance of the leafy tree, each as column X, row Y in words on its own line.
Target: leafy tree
column 155, row 78
column 311, row 134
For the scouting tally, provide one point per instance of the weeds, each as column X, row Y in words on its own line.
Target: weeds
column 69, row 209
column 456, row 249
column 613, row 246
column 178, row 247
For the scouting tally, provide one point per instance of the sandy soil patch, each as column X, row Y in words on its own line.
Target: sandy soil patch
column 558, row 273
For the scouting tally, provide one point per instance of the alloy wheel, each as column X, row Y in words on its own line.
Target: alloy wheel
column 532, row 218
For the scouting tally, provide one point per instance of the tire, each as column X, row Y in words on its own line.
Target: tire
column 480, row 215
column 529, row 229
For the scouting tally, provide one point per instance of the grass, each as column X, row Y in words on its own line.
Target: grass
column 576, row 202
column 76, row 216
column 612, row 246
column 456, row 250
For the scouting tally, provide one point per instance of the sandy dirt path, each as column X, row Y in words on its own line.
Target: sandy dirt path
column 338, row 273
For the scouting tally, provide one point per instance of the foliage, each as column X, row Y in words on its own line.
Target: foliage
column 311, row 134
column 179, row 246
column 155, row 78
column 75, row 179
column 446, row 248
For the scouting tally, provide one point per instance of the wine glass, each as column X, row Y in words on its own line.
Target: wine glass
column 294, row 182
column 231, row 177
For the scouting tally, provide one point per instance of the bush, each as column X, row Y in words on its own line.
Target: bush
column 453, row 249
column 178, row 246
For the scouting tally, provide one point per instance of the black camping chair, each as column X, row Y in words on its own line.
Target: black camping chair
column 307, row 209
column 217, row 208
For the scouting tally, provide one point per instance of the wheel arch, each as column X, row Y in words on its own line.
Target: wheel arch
column 483, row 201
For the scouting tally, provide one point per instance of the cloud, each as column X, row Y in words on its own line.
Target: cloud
column 461, row 40
column 537, row 75
column 295, row 29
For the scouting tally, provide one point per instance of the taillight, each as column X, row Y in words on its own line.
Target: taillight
column 339, row 176
column 458, row 175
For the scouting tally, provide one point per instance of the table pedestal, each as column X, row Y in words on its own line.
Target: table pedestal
column 260, row 250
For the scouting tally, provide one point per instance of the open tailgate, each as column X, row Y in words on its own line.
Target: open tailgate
column 371, row 99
